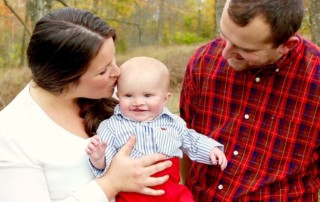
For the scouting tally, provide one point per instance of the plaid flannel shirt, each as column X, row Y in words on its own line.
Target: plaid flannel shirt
column 268, row 120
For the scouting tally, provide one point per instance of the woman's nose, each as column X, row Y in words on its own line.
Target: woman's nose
column 115, row 71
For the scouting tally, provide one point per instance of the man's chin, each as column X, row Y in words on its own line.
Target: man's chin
column 237, row 65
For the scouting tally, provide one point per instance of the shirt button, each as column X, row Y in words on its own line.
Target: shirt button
column 235, row 153
column 220, row 186
column 257, row 79
column 277, row 70
column 246, row 116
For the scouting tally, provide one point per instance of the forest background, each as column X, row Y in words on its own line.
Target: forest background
column 169, row 30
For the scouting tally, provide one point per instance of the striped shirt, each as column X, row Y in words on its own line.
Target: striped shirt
column 268, row 119
column 166, row 134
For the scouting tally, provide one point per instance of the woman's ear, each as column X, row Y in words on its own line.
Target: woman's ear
column 288, row 45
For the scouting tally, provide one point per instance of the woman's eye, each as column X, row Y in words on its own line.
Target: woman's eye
column 103, row 72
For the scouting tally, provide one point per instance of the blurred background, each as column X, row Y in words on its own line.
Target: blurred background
column 169, row 30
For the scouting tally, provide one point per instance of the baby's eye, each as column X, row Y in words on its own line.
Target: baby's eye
column 148, row 95
column 128, row 95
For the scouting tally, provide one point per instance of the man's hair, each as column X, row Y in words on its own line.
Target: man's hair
column 283, row 16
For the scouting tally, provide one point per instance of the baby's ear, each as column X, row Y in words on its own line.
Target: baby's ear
column 168, row 96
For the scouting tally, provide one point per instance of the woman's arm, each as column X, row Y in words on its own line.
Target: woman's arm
column 21, row 182
column 133, row 175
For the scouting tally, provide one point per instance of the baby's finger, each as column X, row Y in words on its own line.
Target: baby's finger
column 88, row 151
column 220, row 158
column 214, row 160
column 224, row 162
column 104, row 145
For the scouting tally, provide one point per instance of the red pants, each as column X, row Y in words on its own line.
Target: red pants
column 174, row 192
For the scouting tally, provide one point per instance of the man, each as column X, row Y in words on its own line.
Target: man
column 256, row 90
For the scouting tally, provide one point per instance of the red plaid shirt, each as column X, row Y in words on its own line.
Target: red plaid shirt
column 268, row 120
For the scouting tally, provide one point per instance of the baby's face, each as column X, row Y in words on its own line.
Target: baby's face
column 143, row 89
column 142, row 102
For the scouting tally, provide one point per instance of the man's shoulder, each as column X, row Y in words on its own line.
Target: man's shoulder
column 311, row 48
column 214, row 47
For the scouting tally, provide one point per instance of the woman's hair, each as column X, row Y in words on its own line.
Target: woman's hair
column 283, row 16
column 60, row 50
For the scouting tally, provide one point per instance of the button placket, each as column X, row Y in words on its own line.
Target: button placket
column 246, row 116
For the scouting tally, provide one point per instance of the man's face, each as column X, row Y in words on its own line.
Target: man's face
column 247, row 47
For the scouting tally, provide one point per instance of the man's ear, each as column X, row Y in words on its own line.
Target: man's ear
column 288, row 45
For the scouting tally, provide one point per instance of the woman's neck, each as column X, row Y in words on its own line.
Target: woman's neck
column 62, row 109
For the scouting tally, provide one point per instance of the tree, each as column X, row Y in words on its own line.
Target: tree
column 315, row 21
column 219, row 8
column 17, row 15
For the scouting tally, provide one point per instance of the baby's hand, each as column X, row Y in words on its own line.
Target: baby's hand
column 218, row 157
column 96, row 149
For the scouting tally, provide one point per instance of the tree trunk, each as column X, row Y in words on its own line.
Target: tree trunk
column 315, row 21
column 23, row 43
column 160, row 21
column 36, row 9
column 219, row 4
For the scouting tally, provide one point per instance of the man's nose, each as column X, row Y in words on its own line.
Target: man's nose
column 229, row 51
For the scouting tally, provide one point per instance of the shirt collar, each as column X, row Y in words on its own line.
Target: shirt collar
column 291, row 55
column 283, row 62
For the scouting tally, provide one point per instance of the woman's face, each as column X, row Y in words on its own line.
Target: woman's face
column 101, row 77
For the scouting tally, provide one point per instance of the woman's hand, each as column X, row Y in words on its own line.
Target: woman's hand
column 133, row 175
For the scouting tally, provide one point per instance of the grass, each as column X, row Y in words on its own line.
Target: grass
column 12, row 80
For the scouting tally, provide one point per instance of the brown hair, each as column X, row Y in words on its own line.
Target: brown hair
column 61, row 48
column 283, row 16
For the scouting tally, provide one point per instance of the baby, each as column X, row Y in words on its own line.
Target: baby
column 143, row 91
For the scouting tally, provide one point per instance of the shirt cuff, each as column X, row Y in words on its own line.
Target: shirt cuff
column 91, row 192
column 207, row 144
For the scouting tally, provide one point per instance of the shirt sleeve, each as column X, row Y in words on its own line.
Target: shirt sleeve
column 198, row 146
column 29, row 184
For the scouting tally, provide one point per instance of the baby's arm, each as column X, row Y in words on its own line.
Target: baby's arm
column 96, row 152
column 217, row 156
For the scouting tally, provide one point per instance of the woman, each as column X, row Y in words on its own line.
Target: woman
column 43, row 132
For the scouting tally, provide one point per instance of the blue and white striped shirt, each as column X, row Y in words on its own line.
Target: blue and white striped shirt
column 167, row 134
